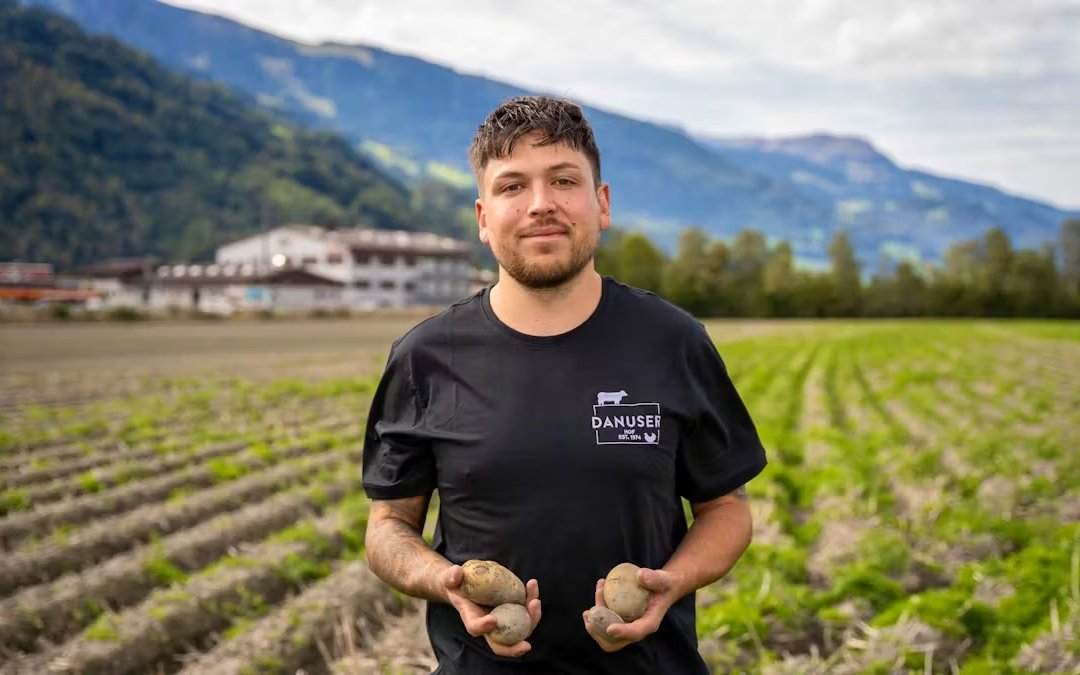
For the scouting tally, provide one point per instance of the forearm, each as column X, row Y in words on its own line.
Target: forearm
column 397, row 554
column 717, row 538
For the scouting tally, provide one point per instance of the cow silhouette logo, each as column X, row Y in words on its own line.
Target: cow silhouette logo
column 610, row 397
column 616, row 422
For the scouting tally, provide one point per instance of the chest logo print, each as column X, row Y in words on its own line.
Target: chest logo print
column 616, row 422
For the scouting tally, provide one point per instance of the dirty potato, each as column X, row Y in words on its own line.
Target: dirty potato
column 489, row 583
column 514, row 624
column 622, row 594
column 599, row 619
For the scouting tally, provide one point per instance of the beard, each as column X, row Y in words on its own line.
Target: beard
column 551, row 273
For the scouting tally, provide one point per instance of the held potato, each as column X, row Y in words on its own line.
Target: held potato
column 514, row 624
column 599, row 619
column 622, row 594
column 488, row 583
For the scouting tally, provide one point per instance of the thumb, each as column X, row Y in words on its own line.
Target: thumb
column 658, row 581
column 453, row 576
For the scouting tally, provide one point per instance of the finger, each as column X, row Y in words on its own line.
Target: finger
column 480, row 625
column 633, row 631
column 453, row 576
column 520, row 649
column 654, row 580
column 607, row 645
column 599, row 600
column 534, row 611
column 532, row 590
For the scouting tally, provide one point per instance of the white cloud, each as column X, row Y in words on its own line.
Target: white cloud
column 985, row 89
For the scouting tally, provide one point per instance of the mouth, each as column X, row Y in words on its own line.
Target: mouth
column 546, row 232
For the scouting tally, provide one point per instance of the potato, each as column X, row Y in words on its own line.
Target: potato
column 622, row 594
column 514, row 624
column 489, row 583
column 599, row 619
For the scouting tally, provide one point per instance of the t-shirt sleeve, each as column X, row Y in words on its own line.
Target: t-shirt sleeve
column 398, row 461
column 721, row 450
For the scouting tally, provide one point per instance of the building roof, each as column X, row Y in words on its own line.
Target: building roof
column 215, row 275
column 399, row 241
column 361, row 240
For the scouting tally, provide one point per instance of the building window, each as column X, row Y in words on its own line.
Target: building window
column 333, row 259
column 362, row 283
column 362, row 258
column 410, row 286
column 410, row 260
column 387, row 259
column 387, row 284
column 309, row 260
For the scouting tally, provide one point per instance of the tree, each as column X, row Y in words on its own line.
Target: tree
column 684, row 277
column 607, row 253
column 1033, row 284
column 955, row 289
column 640, row 262
column 844, row 270
column 997, row 258
column 716, row 281
column 1069, row 241
column 749, row 253
column 779, row 280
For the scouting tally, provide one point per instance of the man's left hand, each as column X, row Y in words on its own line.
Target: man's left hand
column 663, row 592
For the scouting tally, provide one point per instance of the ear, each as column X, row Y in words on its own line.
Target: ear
column 481, row 222
column 603, row 195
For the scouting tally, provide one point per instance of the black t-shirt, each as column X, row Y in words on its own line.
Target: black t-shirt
column 560, row 457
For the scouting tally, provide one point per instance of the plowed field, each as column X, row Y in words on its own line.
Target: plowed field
column 191, row 504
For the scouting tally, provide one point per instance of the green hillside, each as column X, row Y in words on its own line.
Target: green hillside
column 105, row 153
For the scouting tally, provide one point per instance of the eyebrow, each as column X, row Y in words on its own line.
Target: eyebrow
column 561, row 166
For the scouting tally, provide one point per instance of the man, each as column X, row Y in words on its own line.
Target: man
column 561, row 416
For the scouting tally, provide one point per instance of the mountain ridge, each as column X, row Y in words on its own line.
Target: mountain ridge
column 105, row 153
column 664, row 178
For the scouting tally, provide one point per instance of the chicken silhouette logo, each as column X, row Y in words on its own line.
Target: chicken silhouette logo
column 616, row 422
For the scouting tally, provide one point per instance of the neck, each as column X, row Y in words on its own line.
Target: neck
column 548, row 311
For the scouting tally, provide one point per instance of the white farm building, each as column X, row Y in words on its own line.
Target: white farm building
column 297, row 268
column 376, row 268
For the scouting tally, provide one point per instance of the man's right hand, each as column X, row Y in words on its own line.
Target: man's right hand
column 478, row 621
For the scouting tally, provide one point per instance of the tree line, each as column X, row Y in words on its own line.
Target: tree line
column 749, row 276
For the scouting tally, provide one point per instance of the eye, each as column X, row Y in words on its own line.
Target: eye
column 510, row 187
column 565, row 182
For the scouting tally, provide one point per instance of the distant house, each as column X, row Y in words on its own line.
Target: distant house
column 293, row 268
column 377, row 268
column 217, row 289
column 34, row 282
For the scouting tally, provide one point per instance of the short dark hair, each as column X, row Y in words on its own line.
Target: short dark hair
column 557, row 120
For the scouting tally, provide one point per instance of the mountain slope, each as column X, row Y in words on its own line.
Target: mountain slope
column 105, row 153
column 424, row 115
column 429, row 113
column 883, row 203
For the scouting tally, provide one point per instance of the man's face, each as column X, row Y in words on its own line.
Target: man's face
column 540, row 212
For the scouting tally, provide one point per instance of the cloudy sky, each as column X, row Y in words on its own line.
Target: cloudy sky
column 980, row 89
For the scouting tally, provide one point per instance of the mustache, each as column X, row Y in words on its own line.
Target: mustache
column 549, row 226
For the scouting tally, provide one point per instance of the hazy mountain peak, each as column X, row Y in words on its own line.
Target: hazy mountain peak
column 819, row 147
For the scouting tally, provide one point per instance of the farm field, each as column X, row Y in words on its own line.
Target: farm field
column 186, row 498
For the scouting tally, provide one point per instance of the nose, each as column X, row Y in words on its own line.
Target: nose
column 543, row 201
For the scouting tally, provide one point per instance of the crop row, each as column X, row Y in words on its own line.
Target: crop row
column 126, row 467
column 875, row 510
column 51, row 558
